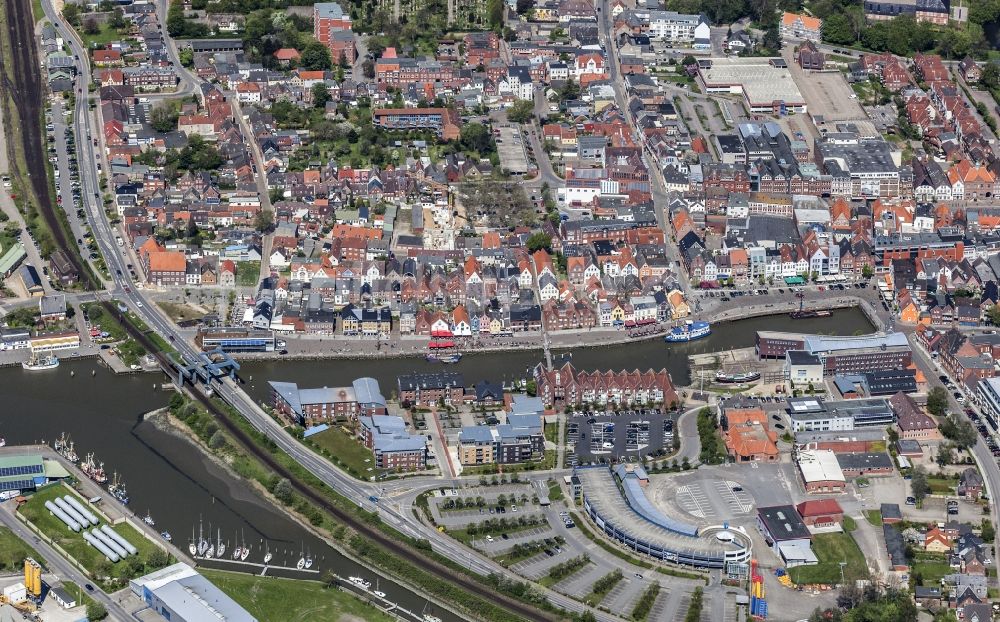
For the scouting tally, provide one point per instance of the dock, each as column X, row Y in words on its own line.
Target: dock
column 264, row 567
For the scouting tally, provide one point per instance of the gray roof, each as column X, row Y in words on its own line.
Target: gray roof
column 195, row 598
column 366, row 391
column 878, row 460
column 783, row 523
column 890, row 511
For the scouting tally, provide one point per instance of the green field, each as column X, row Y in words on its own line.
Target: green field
column 91, row 559
column 248, row 273
column 345, row 450
column 270, row 598
column 874, row 517
column 831, row 549
column 13, row 550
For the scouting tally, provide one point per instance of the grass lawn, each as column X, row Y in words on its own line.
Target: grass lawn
column 831, row 549
column 106, row 35
column 74, row 544
column 931, row 572
column 13, row 550
column 941, row 485
column 345, row 450
column 102, row 320
column 555, row 492
column 849, row 524
column 179, row 312
column 874, row 517
column 271, row 598
column 248, row 273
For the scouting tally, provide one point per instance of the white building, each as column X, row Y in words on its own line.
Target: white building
column 676, row 28
column 989, row 399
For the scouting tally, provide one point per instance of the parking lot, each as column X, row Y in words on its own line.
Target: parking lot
column 511, row 149
column 827, row 94
column 710, row 499
column 625, row 434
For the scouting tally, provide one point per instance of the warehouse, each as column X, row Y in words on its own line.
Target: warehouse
column 179, row 594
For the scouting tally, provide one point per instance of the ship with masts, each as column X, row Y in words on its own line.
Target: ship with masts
column 93, row 470
column 64, row 446
column 117, row 489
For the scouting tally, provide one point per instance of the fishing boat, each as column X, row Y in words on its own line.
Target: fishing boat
column 166, row 536
column 358, row 581
column 60, row 442
column 148, row 519
column 220, row 546
column 267, row 553
column 117, row 489
column 40, row 363
column 446, row 358
column 738, row 378
column 69, row 453
column 689, row 331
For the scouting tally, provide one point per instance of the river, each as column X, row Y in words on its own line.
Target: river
column 180, row 487
column 166, row 475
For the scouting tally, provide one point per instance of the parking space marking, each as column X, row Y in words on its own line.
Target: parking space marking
column 737, row 502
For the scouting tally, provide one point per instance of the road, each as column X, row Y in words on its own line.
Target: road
column 260, row 178
column 55, row 563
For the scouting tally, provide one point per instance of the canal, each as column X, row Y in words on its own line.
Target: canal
column 515, row 365
column 180, row 488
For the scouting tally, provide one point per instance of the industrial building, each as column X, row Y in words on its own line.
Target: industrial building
column 820, row 471
column 179, row 594
column 28, row 472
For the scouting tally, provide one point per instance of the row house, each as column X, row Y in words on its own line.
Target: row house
column 568, row 386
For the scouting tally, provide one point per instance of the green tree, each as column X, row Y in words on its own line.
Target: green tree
column 71, row 13
column 476, row 137
column 937, row 401
column 163, row 118
column 521, row 111
column 539, row 241
column 117, row 19
column 570, row 90
column 918, row 483
column 837, row 29
column 186, row 56
column 320, row 94
column 91, row 27
column 96, row 611
column 494, row 14
column 988, row 532
column 315, row 57
column 264, row 221
column 157, row 558
column 994, row 315
column 867, row 271
column 283, row 491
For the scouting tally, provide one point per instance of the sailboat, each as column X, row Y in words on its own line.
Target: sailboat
column 220, row 547
column 309, row 559
column 236, row 549
column 377, row 591
column 210, row 551
column 202, row 545
column 245, row 553
column 193, row 544
column 148, row 519
column 302, row 560
column 428, row 617
column 267, row 553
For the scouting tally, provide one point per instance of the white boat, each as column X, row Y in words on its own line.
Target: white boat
column 220, row 546
column 378, row 593
column 309, row 560
column 301, row 563
column 358, row 581
column 148, row 519
column 202, row 544
column 210, row 552
column 244, row 549
column 166, row 536
column 36, row 363
column 267, row 553
column 193, row 544
column 429, row 618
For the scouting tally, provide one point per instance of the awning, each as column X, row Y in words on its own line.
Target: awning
column 441, row 333
column 441, row 344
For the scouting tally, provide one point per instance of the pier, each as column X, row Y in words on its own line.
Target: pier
column 262, row 566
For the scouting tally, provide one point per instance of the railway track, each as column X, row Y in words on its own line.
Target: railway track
column 27, row 94
column 520, row 610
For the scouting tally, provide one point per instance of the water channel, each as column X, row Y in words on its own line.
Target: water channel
column 179, row 486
